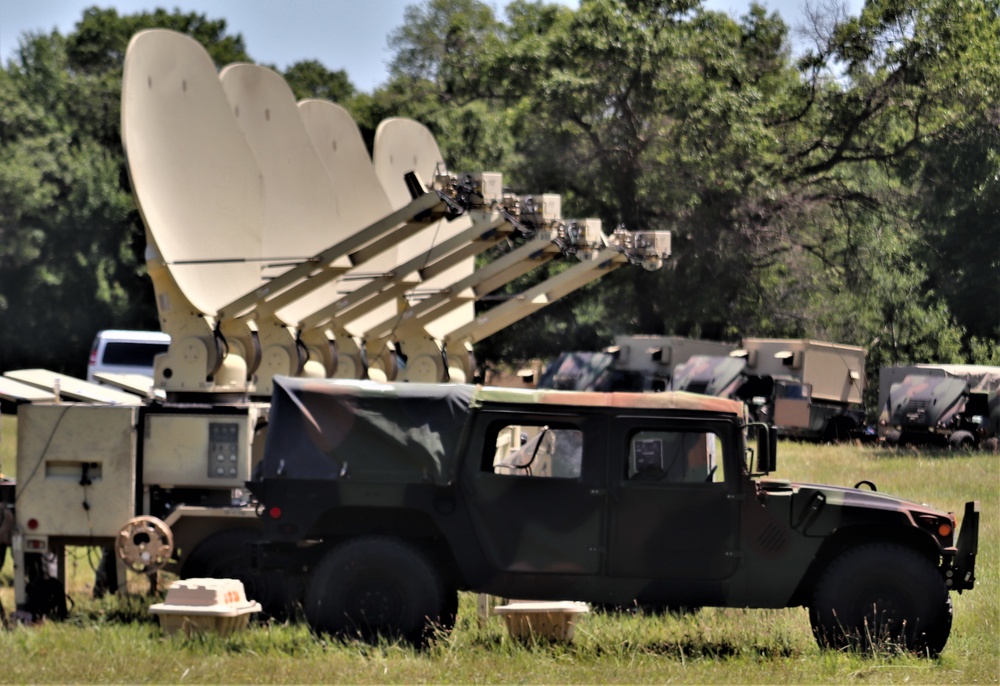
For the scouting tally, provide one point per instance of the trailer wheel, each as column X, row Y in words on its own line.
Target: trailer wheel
column 376, row 586
column 962, row 440
column 881, row 596
column 226, row 555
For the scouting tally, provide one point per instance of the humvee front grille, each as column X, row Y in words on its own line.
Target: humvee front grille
column 916, row 409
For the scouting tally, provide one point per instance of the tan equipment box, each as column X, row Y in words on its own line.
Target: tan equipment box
column 76, row 469
column 835, row 372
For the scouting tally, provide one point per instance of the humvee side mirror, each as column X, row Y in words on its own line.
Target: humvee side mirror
column 767, row 448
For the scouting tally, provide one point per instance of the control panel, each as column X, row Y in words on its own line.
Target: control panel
column 223, row 450
column 213, row 449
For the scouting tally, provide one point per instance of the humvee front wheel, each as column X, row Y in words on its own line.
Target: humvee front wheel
column 376, row 586
column 962, row 440
column 881, row 596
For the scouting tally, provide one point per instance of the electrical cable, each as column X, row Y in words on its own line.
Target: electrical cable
column 41, row 458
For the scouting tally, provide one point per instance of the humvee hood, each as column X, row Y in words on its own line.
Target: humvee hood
column 863, row 498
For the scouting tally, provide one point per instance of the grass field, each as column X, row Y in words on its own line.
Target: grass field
column 113, row 640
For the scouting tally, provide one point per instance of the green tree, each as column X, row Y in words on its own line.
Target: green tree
column 959, row 211
column 791, row 189
column 71, row 242
column 310, row 79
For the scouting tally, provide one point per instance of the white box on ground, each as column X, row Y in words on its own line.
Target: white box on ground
column 203, row 605
column 552, row 620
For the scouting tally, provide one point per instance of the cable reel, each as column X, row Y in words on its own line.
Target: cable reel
column 145, row 544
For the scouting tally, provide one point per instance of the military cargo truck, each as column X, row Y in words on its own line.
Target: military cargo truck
column 388, row 499
column 808, row 389
column 949, row 404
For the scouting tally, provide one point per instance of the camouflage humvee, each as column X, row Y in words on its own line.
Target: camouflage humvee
column 956, row 405
column 580, row 371
column 388, row 499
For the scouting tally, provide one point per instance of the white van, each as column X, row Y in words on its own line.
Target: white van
column 125, row 352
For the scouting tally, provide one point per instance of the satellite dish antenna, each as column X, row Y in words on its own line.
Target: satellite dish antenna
column 403, row 146
column 193, row 174
column 198, row 190
column 319, row 188
column 341, row 147
column 301, row 216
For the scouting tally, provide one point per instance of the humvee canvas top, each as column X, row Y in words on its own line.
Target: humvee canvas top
column 409, row 432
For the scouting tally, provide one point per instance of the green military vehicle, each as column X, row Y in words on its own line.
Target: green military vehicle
column 956, row 405
column 385, row 500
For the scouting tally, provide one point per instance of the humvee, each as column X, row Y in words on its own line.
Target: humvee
column 385, row 500
column 957, row 405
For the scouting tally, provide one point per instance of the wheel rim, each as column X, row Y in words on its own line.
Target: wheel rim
column 378, row 602
column 878, row 615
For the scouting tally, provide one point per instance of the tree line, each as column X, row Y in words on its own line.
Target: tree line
column 846, row 191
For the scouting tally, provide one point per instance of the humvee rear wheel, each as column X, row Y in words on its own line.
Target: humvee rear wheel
column 376, row 586
column 881, row 596
column 226, row 555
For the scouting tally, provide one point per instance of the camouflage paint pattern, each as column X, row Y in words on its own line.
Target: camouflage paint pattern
column 595, row 535
column 931, row 401
column 709, row 375
column 925, row 402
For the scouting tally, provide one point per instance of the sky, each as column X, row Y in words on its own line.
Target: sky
column 341, row 34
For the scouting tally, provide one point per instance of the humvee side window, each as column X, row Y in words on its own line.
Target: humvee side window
column 538, row 451
column 674, row 456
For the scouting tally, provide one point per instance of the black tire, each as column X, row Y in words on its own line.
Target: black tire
column 226, row 555
column 880, row 596
column 377, row 587
column 838, row 429
column 449, row 610
column 962, row 440
column 106, row 576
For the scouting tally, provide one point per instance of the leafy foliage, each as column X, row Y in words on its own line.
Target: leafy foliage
column 310, row 79
column 848, row 194
column 72, row 250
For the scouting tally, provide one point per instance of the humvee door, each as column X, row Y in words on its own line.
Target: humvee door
column 536, row 491
column 674, row 512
